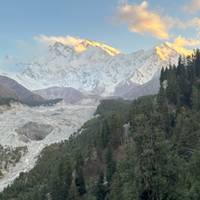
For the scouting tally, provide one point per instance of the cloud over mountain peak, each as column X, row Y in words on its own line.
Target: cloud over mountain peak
column 79, row 45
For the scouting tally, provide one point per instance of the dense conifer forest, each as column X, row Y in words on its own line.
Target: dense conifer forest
column 148, row 149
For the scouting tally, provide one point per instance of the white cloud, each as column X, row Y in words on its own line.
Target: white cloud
column 184, row 42
column 141, row 19
column 184, row 46
column 193, row 6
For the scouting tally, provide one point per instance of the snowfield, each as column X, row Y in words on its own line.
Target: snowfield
column 65, row 120
column 95, row 69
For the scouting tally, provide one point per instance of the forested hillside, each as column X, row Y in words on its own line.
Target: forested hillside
column 142, row 150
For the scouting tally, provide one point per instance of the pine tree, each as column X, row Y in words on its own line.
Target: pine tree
column 162, row 75
column 61, row 181
column 110, row 165
column 197, row 63
column 79, row 177
column 105, row 134
column 194, row 177
column 155, row 168
column 172, row 89
column 73, row 192
column 100, row 188
column 196, row 98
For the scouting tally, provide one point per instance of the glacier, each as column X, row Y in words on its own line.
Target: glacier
column 65, row 120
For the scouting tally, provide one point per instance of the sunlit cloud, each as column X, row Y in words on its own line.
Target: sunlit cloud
column 66, row 40
column 184, row 42
column 141, row 19
column 181, row 45
column 193, row 6
column 184, row 46
column 79, row 45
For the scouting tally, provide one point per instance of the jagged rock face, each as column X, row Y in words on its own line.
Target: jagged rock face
column 94, row 69
column 34, row 131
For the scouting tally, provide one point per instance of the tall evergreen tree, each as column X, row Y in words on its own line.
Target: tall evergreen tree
column 110, row 165
column 196, row 97
column 100, row 188
column 80, row 181
column 155, row 169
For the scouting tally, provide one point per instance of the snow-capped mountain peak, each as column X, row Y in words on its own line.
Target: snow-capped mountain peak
column 82, row 46
column 168, row 50
column 79, row 45
column 94, row 67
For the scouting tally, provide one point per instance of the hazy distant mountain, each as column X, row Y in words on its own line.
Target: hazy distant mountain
column 69, row 95
column 132, row 91
column 12, row 90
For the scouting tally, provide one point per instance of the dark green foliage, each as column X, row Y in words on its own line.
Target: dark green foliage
column 194, row 176
column 111, row 165
column 196, row 96
column 110, row 107
column 105, row 134
column 79, row 177
column 100, row 188
column 124, row 185
column 154, row 166
column 182, row 81
column 61, row 181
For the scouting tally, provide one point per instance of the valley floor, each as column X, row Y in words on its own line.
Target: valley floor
column 65, row 120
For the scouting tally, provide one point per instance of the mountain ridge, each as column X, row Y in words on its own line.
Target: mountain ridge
column 94, row 69
column 11, row 90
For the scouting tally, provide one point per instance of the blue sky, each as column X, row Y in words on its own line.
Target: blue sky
column 22, row 20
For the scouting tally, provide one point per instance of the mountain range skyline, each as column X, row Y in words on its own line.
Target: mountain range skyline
column 125, row 25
